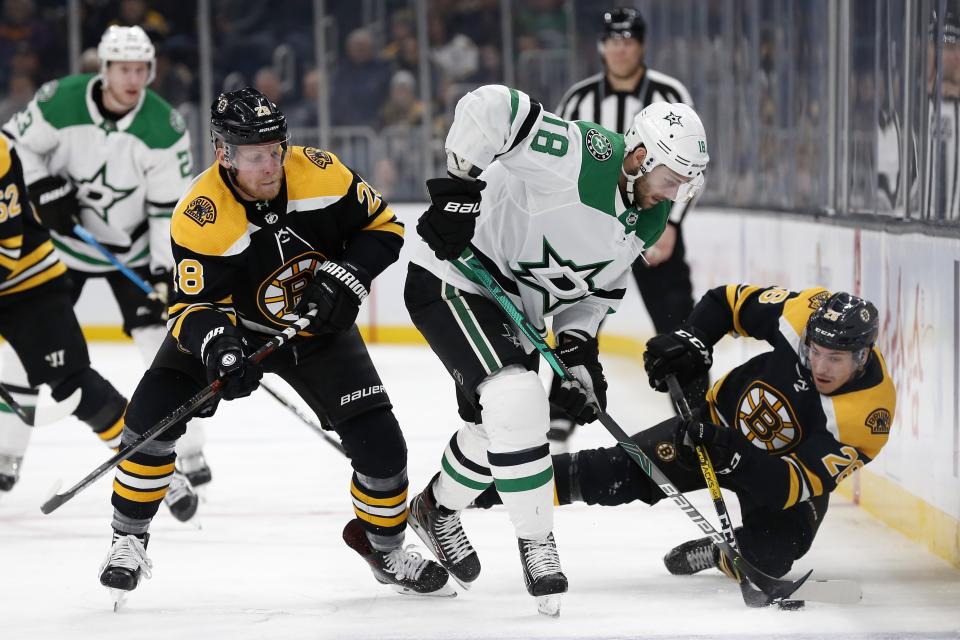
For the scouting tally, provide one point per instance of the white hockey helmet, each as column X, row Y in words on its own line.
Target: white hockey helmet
column 673, row 135
column 126, row 44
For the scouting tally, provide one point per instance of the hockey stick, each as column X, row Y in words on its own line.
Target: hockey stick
column 304, row 418
column 751, row 597
column 184, row 411
column 87, row 237
column 773, row 588
column 27, row 414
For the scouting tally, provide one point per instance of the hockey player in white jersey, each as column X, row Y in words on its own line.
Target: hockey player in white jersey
column 566, row 209
column 104, row 151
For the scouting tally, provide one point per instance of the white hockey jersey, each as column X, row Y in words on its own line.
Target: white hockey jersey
column 129, row 174
column 553, row 228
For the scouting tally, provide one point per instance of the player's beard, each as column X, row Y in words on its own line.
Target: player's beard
column 259, row 191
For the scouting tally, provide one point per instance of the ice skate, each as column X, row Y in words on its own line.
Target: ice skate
column 125, row 565
column 181, row 499
column 440, row 530
column 692, row 557
column 197, row 472
column 401, row 568
column 9, row 471
column 541, row 573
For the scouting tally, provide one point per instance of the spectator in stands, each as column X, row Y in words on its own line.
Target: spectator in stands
column 267, row 82
column 456, row 55
column 402, row 108
column 357, row 91
column 402, row 28
column 21, row 31
column 19, row 91
column 541, row 24
column 137, row 13
column 304, row 113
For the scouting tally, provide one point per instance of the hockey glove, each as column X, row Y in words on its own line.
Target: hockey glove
column 726, row 446
column 448, row 224
column 224, row 358
column 336, row 292
column 576, row 398
column 682, row 352
column 56, row 202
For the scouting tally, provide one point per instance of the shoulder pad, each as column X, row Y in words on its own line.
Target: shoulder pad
column 208, row 220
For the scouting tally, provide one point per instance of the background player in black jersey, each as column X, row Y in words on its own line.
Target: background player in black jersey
column 783, row 429
column 37, row 319
column 612, row 99
column 265, row 234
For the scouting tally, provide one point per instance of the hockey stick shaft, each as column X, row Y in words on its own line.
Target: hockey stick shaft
column 183, row 412
column 471, row 268
column 27, row 414
column 751, row 596
column 87, row 237
column 304, row 418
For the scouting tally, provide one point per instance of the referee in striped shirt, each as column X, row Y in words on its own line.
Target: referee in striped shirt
column 612, row 99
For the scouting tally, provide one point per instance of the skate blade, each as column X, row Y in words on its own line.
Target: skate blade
column 446, row 591
column 549, row 605
column 119, row 597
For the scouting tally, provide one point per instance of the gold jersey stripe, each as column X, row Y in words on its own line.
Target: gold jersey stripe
column 55, row 270
column 138, row 496
column 741, row 297
column 112, row 432
column 392, row 501
column 14, row 242
column 306, row 179
column 389, row 227
column 6, row 160
column 813, row 480
column 382, row 522
column 794, row 494
column 144, row 470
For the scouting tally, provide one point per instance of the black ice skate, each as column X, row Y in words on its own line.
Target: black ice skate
column 440, row 530
column 9, row 471
column 195, row 468
column 125, row 565
column 542, row 574
column 405, row 570
column 692, row 557
column 181, row 499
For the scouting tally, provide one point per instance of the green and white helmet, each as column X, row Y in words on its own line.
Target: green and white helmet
column 126, row 44
column 673, row 135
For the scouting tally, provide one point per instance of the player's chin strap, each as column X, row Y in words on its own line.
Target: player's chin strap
column 631, row 178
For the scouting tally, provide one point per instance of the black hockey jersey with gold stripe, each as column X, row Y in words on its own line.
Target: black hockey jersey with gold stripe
column 249, row 262
column 27, row 257
column 814, row 441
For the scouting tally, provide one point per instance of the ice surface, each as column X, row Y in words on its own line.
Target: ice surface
column 269, row 561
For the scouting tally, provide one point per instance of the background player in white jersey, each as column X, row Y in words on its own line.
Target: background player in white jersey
column 612, row 99
column 104, row 151
column 567, row 208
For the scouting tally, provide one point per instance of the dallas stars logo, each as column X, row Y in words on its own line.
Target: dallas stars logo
column 559, row 281
column 98, row 195
column 673, row 119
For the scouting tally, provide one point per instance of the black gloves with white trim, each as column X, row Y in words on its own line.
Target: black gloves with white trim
column 683, row 352
column 55, row 199
column 336, row 292
column 223, row 355
column 580, row 353
column 448, row 224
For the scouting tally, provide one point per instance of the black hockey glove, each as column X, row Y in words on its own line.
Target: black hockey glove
column 56, row 202
column 448, row 224
column 336, row 292
column 726, row 446
column 224, row 358
column 576, row 398
column 683, row 352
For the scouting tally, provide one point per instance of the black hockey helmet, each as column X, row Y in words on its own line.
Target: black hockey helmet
column 623, row 22
column 845, row 323
column 246, row 116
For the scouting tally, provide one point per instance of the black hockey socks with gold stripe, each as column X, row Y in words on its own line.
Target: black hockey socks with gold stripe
column 101, row 405
column 381, row 505
column 140, row 483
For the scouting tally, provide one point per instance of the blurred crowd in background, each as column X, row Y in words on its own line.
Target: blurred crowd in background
column 807, row 109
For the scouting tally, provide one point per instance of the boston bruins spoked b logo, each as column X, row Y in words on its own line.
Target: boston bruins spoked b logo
column 280, row 293
column 767, row 420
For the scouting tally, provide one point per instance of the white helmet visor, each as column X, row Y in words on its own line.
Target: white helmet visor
column 256, row 157
column 664, row 182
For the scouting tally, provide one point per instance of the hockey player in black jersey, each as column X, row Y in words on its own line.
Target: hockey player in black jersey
column 267, row 233
column 37, row 319
column 783, row 429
